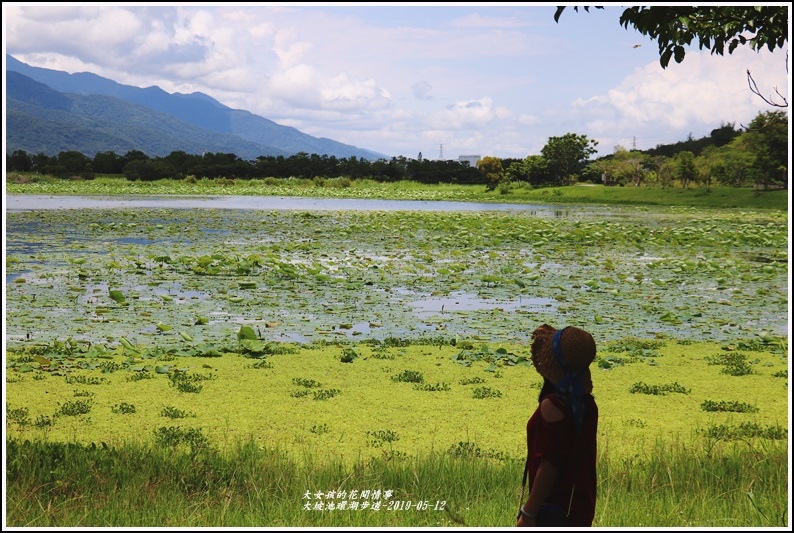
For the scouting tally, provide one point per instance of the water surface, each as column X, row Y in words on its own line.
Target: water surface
column 24, row 202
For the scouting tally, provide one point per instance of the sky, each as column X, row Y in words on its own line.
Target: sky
column 443, row 80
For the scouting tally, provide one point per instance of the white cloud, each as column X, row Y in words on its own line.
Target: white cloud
column 298, row 85
column 696, row 95
column 468, row 113
column 289, row 51
column 403, row 77
column 93, row 34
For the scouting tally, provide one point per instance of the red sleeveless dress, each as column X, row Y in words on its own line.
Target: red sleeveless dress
column 573, row 454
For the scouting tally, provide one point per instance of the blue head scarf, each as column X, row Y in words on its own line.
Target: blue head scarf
column 569, row 386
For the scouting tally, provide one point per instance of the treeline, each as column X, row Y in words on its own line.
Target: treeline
column 136, row 165
column 756, row 155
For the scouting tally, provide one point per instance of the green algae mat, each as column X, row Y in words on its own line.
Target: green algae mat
column 364, row 332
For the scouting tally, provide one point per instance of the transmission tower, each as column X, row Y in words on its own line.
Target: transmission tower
column 441, row 152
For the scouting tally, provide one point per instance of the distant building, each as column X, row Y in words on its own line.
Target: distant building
column 471, row 159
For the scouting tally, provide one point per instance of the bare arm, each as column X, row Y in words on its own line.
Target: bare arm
column 541, row 488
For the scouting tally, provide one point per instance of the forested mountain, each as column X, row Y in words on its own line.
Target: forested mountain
column 41, row 120
column 200, row 122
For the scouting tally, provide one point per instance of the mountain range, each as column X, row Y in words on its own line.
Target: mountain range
column 50, row 111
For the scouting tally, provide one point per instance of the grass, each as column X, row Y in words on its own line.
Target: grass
column 55, row 484
column 714, row 197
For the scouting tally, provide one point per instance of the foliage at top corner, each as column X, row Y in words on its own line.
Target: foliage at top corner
column 672, row 27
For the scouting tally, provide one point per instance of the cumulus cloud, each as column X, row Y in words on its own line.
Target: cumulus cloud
column 298, row 85
column 290, row 51
column 696, row 95
column 91, row 34
column 403, row 78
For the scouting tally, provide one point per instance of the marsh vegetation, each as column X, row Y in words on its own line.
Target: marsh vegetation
column 170, row 367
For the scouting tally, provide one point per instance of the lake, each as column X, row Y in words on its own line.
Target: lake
column 300, row 269
column 17, row 202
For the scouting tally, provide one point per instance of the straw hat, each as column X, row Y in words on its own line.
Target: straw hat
column 559, row 353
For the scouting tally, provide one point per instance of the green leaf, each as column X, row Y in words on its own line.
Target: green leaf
column 254, row 345
column 664, row 60
column 679, row 54
column 117, row 296
column 128, row 345
column 246, row 332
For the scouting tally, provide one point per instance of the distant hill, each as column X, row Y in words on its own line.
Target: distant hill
column 42, row 120
column 195, row 122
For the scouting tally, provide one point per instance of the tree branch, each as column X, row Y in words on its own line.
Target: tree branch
column 754, row 89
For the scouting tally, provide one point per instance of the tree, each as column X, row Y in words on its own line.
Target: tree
column 724, row 134
column 709, row 166
column 714, row 26
column 147, row 170
column 491, row 169
column 19, row 160
column 623, row 167
column 737, row 159
column 108, row 163
column 534, row 169
column 567, row 155
column 74, row 163
column 42, row 163
column 664, row 168
column 685, row 169
column 767, row 136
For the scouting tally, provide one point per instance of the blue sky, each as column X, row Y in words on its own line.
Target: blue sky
column 493, row 79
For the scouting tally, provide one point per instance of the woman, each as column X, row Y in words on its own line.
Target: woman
column 561, row 434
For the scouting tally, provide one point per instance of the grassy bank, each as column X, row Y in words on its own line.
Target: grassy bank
column 138, row 485
column 715, row 197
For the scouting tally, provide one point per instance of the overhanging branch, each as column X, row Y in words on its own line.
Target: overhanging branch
column 754, row 89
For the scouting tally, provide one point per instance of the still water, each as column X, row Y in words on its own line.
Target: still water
column 25, row 202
